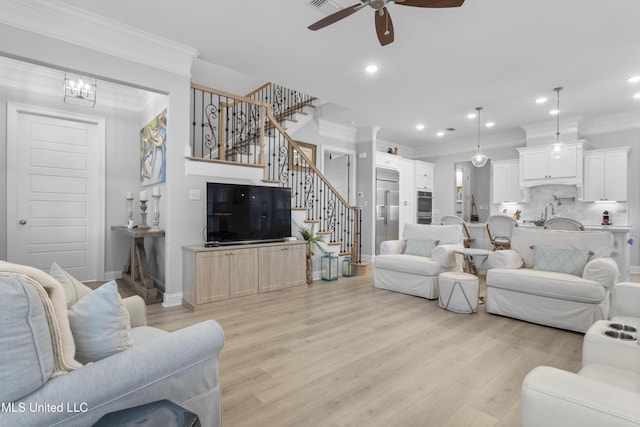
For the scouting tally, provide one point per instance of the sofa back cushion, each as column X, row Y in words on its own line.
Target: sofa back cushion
column 524, row 240
column 444, row 234
column 26, row 350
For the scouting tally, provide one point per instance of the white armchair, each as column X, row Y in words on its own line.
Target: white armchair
column 412, row 266
column 606, row 391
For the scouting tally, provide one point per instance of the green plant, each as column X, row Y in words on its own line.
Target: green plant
column 311, row 239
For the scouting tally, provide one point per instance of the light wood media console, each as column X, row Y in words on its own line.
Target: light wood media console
column 223, row 272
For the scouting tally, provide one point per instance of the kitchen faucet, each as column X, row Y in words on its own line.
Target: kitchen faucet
column 553, row 210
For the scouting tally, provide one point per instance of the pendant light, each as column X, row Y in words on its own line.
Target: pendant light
column 557, row 149
column 479, row 159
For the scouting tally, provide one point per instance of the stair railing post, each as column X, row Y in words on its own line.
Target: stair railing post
column 261, row 157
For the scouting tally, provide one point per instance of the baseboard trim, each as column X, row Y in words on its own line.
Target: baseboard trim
column 112, row 275
column 171, row 300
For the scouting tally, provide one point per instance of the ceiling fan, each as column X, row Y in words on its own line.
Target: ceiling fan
column 384, row 26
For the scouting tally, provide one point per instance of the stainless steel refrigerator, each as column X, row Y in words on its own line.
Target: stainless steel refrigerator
column 387, row 206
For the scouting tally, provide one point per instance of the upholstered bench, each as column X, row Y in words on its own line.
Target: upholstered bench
column 458, row 292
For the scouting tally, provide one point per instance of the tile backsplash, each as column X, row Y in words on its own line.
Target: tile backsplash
column 588, row 213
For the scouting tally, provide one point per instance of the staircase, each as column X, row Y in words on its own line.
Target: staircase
column 247, row 131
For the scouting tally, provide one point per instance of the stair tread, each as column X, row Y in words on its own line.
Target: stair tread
column 312, row 221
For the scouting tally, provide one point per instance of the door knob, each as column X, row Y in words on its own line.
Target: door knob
column 23, row 221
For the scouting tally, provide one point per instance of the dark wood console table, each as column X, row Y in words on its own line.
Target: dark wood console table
column 136, row 271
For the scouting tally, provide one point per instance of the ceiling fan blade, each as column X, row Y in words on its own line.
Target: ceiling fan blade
column 430, row 3
column 335, row 17
column 384, row 26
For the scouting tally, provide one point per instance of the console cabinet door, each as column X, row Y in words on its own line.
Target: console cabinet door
column 295, row 265
column 272, row 262
column 212, row 276
column 243, row 272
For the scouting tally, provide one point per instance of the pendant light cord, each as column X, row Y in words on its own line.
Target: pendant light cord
column 479, row 109
column 558, row 89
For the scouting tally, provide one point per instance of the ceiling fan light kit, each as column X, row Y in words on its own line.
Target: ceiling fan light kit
column 382, row 18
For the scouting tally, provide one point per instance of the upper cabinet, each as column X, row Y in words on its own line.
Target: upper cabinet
column 506, row 181
column 424, row 176
column 389, row 161
column 537, row 167
column 605, row 175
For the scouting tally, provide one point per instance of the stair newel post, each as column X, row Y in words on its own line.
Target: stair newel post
column 261, row 156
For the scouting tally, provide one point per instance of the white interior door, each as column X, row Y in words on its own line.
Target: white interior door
column 55, row 194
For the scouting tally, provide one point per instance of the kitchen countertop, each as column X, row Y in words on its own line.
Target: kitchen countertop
column 529, row 224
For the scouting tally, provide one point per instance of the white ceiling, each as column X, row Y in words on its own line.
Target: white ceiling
column 499, row 54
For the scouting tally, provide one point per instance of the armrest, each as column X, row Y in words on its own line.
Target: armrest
column 137, row 310
column 389, row 247
column 506, row 258
column 602, row 270
column 625, row 300
column 446, row 256
column 555, row 398
column 181, row 367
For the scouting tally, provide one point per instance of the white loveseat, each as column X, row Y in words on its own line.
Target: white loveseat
column 399, row 268
column 530, row 282
column 606, row 391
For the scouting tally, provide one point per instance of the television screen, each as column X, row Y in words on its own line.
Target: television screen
column 247, row 213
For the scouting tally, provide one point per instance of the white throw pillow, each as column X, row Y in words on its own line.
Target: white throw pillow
column 420, row 247
column 560, row 260
column 73, row 288
column 100, row 324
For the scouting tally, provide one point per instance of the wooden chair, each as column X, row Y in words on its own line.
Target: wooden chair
column 499, row 228
column 452, row 219
column 560, row 223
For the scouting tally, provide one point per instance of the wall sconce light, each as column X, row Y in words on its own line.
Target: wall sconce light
column 79, row 90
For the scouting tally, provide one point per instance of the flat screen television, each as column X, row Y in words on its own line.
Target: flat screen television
column 239, row 213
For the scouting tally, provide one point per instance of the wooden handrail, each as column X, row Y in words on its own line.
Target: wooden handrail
column 305, row 158
column 253, row 92
column 228, row 95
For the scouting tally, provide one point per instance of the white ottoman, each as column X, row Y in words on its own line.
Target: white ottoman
column 458, row 292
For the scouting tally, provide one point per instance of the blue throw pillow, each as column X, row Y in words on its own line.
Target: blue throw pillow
column 571, row 261
column 420, row 247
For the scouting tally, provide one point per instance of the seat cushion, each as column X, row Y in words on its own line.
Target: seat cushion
column 412, row 264
column 26, row 350
column 548, row 284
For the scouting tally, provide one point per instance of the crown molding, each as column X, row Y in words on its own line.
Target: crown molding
column 619, row 122
column 51, row 18
column 547, row 129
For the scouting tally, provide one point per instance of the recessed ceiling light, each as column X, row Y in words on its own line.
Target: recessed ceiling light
column 489, row 124
column 637, row 95
column 554, row 112
column 371, row 69
column 471, row 116
column 634, row 79
column 420, row 126
column 541, row 100
column 441, row 133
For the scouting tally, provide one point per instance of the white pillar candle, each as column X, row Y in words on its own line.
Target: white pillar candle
column 156, row 191
column 143, row 196
column 129, row 195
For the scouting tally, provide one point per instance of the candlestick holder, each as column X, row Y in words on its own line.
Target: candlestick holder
column 156, row 212
column 143, row 215
column 129, row 212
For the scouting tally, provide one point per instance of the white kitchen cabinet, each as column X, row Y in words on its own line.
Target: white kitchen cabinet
column 537, row 167
column 506, row 181
column 389, row 161
column 424, row 173
column 407, row 210
column 605, row 175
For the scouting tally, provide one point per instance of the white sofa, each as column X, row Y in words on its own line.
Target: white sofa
column 417, row 275
column 518, row 285
column 606, row 391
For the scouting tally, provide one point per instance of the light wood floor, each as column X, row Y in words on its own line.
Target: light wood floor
column 345, row 354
